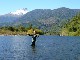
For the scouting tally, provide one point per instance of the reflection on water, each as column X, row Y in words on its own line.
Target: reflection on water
column 33, row 49
column 47, row 48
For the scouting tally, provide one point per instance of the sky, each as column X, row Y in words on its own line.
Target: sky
column 7, row 6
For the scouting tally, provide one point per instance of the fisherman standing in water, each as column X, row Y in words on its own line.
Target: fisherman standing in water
column 34, row 36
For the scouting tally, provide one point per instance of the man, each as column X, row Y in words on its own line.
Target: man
column 34, row 36
column 33, row 40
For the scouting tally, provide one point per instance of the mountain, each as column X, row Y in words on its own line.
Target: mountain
column 45, row 19
column 12, row 16
column 48, row 19
column 47, row 14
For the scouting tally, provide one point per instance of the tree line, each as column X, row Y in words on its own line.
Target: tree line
column 19, row 30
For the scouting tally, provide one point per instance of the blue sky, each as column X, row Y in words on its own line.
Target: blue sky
column 7, row 6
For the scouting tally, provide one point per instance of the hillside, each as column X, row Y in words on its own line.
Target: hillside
column 47, row 19
column 50, row 21
column 73, row 27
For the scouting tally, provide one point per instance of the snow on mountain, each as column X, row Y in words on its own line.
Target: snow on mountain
column 20, row 12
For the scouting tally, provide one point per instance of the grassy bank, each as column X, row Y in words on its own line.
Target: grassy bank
column 19, row 31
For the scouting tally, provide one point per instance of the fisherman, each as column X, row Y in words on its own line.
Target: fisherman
column 34, row 36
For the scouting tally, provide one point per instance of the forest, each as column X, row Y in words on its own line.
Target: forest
column 73, row 27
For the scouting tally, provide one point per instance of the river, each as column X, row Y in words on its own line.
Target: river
column 47, row 48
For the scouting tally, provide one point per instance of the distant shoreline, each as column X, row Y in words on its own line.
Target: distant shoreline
column 12, row 35
column 15, row 34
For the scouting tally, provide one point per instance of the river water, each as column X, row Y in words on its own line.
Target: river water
column 47, row 48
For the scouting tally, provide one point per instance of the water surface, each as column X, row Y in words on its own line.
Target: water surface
column 47, row 48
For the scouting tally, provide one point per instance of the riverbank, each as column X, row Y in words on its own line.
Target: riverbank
column 5, row 32
column 10, row 33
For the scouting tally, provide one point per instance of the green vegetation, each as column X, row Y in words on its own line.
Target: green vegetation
column 20, row 30
column 73, row 27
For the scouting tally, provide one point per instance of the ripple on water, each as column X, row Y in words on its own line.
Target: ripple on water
column 47, row 48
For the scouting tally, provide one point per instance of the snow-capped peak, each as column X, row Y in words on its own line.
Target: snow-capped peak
column 20, row 12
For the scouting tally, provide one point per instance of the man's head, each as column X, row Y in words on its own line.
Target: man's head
column 34, row 32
